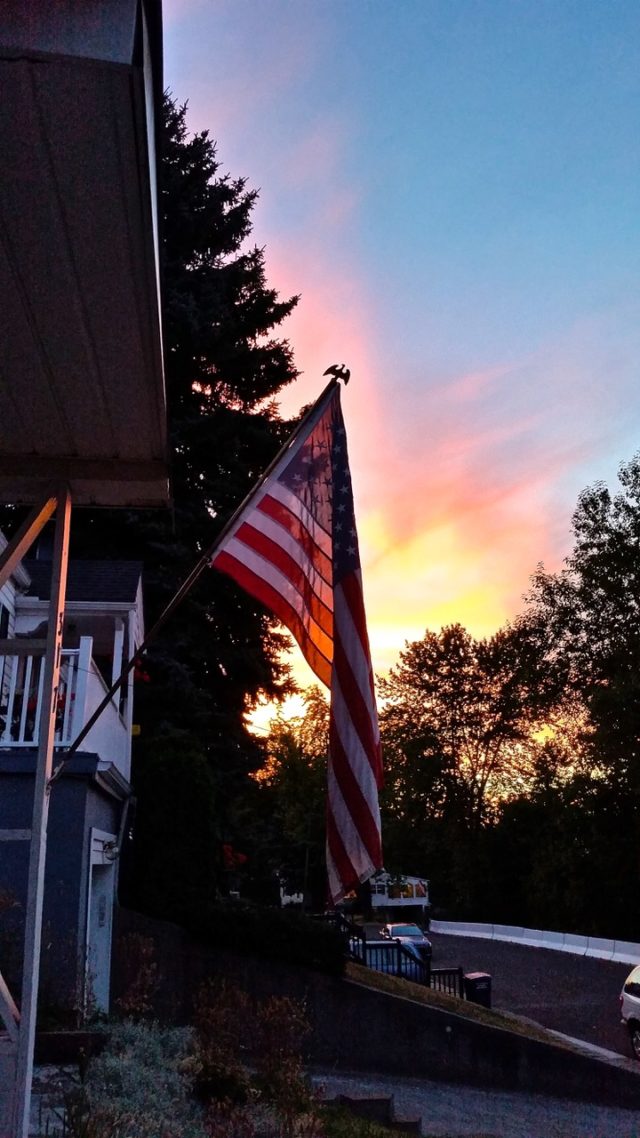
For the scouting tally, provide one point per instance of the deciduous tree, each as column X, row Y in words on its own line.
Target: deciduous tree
column 591, row 611
column 293, row 794
column 458, row 714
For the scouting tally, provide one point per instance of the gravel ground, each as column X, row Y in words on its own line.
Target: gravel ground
column 457, row 1111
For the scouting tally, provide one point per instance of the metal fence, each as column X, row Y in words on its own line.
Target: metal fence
column 396, row 959
column 449, row 980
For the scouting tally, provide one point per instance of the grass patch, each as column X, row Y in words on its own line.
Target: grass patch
column 337, row 1122
column 398, row 986
column 340, row 1123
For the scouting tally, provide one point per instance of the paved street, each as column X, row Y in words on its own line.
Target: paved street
column 577, row 995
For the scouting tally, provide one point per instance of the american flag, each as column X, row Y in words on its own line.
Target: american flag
column 294, row 546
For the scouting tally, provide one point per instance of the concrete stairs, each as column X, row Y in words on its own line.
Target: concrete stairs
column 380, row 1110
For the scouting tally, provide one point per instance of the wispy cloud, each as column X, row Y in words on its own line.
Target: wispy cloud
column 465, row 473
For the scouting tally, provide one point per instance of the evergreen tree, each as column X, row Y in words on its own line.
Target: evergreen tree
column 224, row 367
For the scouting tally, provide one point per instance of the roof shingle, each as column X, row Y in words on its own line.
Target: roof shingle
column 109, row 581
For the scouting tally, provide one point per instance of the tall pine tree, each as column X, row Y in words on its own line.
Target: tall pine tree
column 224, row 368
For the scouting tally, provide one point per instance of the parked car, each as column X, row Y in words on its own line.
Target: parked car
column 409, row 935
column 630, row 1008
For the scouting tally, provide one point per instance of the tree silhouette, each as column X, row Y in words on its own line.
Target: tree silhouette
column 219, row 653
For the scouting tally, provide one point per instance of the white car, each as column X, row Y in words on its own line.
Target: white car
column 630, row 1008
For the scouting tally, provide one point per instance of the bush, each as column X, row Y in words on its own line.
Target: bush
column 282, row 1029
column 222, row 1027
column 141, row 979
column 273, row 934
column 142, row 1086
column 135, row 1088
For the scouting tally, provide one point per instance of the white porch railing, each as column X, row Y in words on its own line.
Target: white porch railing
column 81, row 689
column 22, row 681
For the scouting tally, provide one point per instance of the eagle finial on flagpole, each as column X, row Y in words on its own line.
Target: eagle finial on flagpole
column 339, row 371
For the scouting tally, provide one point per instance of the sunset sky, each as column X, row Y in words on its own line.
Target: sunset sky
column 452, row 187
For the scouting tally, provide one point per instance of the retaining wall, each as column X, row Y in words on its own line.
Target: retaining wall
column 7, row 1080
column 620, row 951
column 357, row 1028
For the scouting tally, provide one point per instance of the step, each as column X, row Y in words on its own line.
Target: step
column 380, row 1110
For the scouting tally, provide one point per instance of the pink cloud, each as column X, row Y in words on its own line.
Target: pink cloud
column 316, row 158
column 476, row 383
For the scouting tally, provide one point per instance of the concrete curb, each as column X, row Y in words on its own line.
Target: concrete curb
column 619, row 951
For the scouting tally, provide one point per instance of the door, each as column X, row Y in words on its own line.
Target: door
column 99, row 925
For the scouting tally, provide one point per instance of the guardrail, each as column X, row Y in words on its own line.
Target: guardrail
column 618, row 951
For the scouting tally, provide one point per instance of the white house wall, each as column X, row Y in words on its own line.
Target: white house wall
column 109, row 736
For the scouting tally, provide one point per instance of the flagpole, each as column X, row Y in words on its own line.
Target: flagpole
column 193, row 576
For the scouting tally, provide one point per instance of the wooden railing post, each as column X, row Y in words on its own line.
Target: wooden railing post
column 38, row 848
column 82, row 685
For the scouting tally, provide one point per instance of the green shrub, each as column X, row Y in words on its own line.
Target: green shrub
column 281, row 1080
column 222, row 1026
column 274, row 934
column 135, row 1088
column 149, row 1081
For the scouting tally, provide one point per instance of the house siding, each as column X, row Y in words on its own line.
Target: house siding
column 77, row 805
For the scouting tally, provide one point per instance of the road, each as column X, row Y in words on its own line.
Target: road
column 574, row 994
column 577, row 995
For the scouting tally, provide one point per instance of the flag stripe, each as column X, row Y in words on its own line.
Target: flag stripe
column 284, row 540
column 352, row 716
column 355, row 799
column 342, row 835
column 263, row 591
column 281, row 586
column 339, row 867
column 294, row 546
column 360, row 661
column 337, row 855
column 285, row 516
column 311, row 522
column 358, row 713
column 359, row 753
column 293, row 571
column 349, row 832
